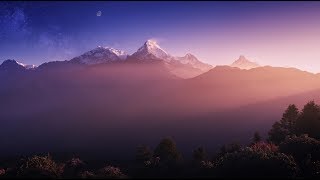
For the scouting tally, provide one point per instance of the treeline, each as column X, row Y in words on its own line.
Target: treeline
column 292, row 149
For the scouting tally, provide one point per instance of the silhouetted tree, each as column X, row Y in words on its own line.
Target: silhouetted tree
column 248, row 162
column 286, row 126
column 144, row 153
column 305, row 150
column 199, row 155
column 167, row 152
column 256, row 137
column 229, row 148
column 309, row 120
column 300, row 147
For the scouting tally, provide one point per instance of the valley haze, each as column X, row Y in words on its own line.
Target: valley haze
column 106, row 95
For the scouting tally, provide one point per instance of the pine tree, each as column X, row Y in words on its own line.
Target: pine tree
column 199, row 154
column 167, row 152
column 256, row 137
column 286, row 126
column 309, row 120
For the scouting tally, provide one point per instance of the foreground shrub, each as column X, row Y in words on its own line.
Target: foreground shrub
column 143, row 153
column 264, row 147
column 250, row 162
column 40, row 166
column 73, row 168
column 305, row 150
column 2, row 172
column 199, row 155
column 300, row 147
column 110, row 172
column 229, row 148
column 153, row 162
column 87, row 175
column 314, row 168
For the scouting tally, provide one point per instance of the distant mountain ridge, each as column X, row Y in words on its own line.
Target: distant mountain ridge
column 185, row 67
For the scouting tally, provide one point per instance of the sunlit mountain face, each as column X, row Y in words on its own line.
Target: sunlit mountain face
column 89, row 82
column 244, row 63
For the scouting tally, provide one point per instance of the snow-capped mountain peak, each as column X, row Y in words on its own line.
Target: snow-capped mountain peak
column 244, row 63
column 30, row 66
column 188, row 55
column 12, row 65
column 12, row 61
column 21, row 64
column 151, row 51
column 153, row 45
column 101, row 55
column 121, row 54
column 27, row 66
column 190, row 59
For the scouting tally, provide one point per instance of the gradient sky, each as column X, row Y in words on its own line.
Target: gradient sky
column 270, row 33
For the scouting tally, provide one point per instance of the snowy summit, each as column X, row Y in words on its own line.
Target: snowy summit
column 101, row 55
column 151, row 51
column 244, row 63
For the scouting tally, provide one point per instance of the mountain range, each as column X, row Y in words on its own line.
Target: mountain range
column 187, row 66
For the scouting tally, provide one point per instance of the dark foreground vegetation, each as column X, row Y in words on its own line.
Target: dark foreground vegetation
column 292, row 149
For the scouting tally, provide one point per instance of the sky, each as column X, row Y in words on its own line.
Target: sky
column 283, row 34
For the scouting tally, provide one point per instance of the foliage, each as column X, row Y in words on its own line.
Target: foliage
column 264, row 147
column 309, row 120
column 300, row 147
column 2, row 172
column 40, row 166
column 256, row 137
column 167, row 152
column 206, row 164
column 314, row 169
column 286, row 126
column 110, row 172
column 249, row 162
column 152, row 162
column 229, row 148
column 144, row 153
column 199, row 155
column 73, row 168
column 75, row 162
column 292, row 150
column 87, row 175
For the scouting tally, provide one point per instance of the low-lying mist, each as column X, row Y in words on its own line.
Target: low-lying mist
column 110, row 109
